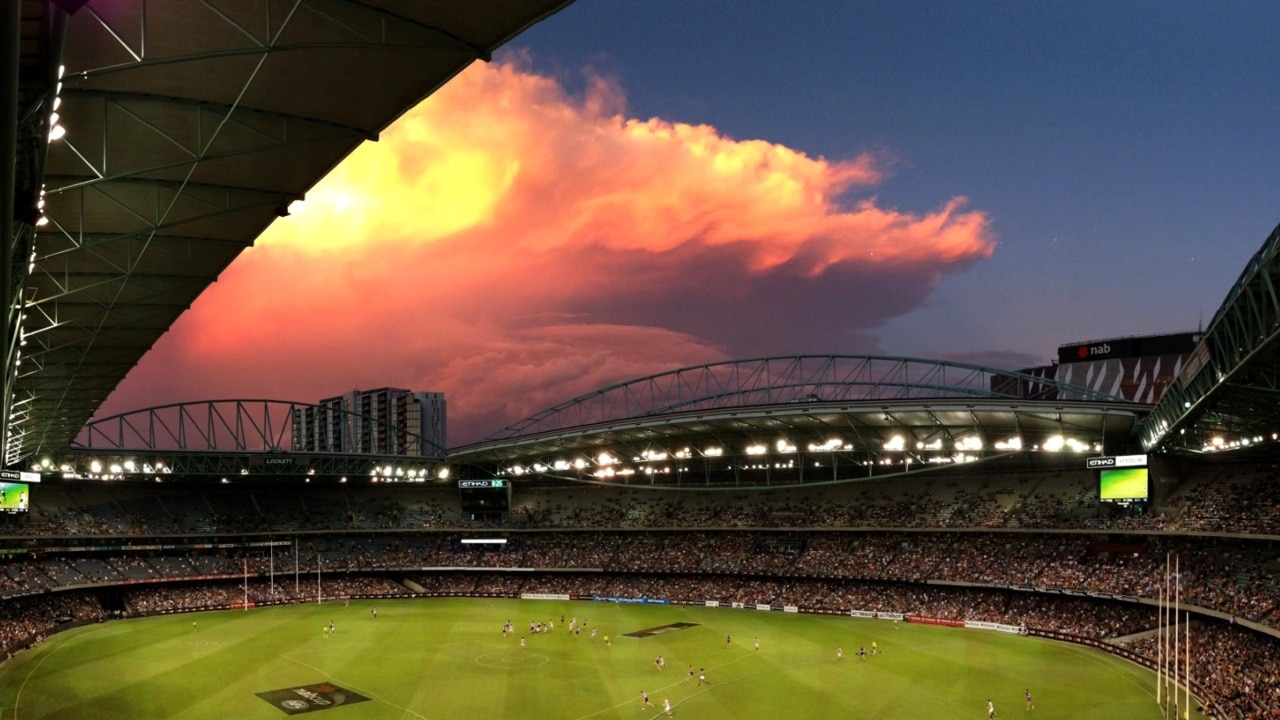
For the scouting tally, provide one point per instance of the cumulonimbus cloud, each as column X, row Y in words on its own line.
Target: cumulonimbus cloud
column 514, row 245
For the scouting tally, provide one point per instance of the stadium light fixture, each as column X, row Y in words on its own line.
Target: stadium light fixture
column 713, row 452
column 579, row 463
column 1053, row 443
column 605, row 459
column 443, row 474
column 895, row 443
column 756, row 449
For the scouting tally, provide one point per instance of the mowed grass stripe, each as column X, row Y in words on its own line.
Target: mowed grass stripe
column 446, row 658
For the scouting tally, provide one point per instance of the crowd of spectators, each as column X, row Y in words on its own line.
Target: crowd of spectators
column 1233, row 576
column 1229, row 499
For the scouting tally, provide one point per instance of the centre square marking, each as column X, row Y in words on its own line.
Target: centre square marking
column 309, row 698
column 661, row 630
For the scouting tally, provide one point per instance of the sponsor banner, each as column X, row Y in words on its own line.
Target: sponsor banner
column 998, row 627
column 924, row 620
column 713, row 603
column 631, row 600
column 544, row 596
column 738, row 605
column 790, row 609
column 763, row 607
column 862, row 614
column 309, row 698
column 889, row 616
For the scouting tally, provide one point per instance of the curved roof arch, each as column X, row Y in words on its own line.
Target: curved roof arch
column 793, row 379
column 189, row 128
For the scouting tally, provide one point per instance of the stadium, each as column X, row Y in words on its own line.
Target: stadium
column 797, row 536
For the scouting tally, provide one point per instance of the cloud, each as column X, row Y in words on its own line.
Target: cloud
column 514, row 246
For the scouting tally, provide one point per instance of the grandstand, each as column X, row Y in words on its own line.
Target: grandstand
column 930, row 491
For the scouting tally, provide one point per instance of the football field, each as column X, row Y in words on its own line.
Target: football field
column 439, row 659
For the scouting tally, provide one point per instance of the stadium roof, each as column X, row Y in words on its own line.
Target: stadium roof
column 181, row 131
column 782, row 414
column 1227, row 397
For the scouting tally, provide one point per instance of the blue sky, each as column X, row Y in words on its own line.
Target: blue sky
column 1125, row 152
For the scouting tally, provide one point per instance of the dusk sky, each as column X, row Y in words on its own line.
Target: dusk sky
column 632, row 187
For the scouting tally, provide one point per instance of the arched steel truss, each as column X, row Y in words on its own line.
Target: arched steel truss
column 237, row 437
column 1228, row 386
column 222, row 425
column 795, row 379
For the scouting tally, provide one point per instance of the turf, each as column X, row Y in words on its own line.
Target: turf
column 446, row 658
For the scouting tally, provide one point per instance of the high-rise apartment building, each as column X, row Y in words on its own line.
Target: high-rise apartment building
column 387, row 421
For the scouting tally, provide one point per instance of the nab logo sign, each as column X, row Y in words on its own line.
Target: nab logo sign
column 1086, row 351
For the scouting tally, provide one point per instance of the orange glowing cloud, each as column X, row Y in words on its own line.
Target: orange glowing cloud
column 513, row 246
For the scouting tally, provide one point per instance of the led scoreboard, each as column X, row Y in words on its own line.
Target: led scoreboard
column 1122, row 478
column 485, row 496
column 15, row 490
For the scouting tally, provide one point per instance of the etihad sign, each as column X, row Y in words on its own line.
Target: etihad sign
column 1116, row 461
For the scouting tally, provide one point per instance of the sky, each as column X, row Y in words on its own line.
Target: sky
column 633, row 187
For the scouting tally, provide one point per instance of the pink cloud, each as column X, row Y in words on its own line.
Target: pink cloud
column 515, row 246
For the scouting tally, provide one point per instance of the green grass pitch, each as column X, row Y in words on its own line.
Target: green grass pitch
column 446, row 658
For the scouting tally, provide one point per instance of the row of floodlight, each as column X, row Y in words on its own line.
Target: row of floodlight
column 906, row 460
column 1217, row 443
column 96, row 468
column 607, row 464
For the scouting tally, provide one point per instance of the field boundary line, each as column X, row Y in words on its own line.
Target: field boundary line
column 17, row 699
column 353, row 687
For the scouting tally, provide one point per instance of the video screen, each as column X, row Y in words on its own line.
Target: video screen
column 1123, row 484
column 14, row 497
